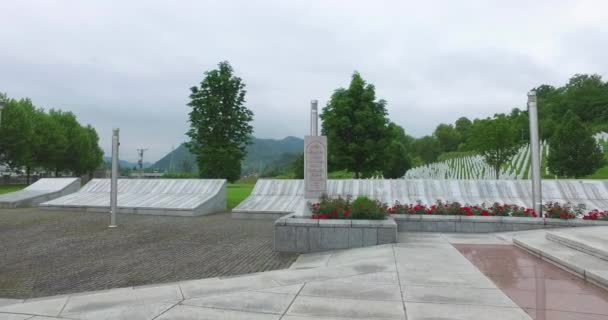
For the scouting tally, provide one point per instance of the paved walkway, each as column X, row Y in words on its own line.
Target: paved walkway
column 44, row 253
column 422, row 277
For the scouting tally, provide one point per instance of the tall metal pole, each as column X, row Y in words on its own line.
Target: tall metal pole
column 314, row 118
column 1, row 107
column 535, row 154
column 114, row 180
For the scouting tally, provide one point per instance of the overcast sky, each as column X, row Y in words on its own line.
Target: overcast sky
column 130, row 64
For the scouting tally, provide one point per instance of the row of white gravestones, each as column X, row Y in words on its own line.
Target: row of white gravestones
column 475, row 167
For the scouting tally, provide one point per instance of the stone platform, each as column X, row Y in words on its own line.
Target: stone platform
column 294, row 234
column 581, row 251
column 274, row 198
column 173, row 197
column 40, row 191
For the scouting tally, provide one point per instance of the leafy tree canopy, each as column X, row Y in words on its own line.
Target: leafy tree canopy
column 573, row 152
column 220, row 124
column 356, row 125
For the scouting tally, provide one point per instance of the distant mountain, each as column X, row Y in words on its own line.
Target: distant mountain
column 124, row 164
column 260, row 154
column 179, row 160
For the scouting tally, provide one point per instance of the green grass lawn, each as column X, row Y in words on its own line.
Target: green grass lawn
column 11, row 188
column 237, row 192
column 601, row 173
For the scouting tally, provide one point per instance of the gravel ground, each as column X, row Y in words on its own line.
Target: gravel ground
column 46, row 253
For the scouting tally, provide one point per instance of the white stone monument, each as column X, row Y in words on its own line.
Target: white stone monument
column 315, row 159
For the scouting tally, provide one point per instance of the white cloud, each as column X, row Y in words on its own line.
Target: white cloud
column 129, row 64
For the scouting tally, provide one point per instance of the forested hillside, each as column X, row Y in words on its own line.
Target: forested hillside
column 262, row 155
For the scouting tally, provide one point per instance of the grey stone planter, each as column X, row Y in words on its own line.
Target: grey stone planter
column 292, row 234
column 476, row 224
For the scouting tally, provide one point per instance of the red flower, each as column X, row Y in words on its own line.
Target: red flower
column 346, row 214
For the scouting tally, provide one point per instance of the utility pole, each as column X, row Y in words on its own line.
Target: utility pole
column 171, row 169
column 114, row 180
column 140, row 161
column 535, row 154
column 1, row 107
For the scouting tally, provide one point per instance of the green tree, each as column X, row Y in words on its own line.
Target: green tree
column 463, row 126
column 16, row 133
column 496, row 139
column 92, row 158
column 35, row 139
column 220, row 125
column 448, row 137
column 573, row 152
column 355, row 124
column 297, row 167
column 427, row 149
column 74, row 147
column 51, row 148
column 397, row 160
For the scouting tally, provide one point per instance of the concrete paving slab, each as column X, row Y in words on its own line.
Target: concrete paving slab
column 449, row 279
column 42, row 307
column 6, row 316
column 346, row 308
column 466, row 296
column 287, row 317
column 327, row 273
column 353, row 290
column 379, row 277
column 291, row 289
column 208, row 287
column 97, row 303
column 6, row 302
column 311, row 260
column 182, row 312
column 122, row 312
column 468, row 238
column 382, row 254
column 259, row 302
column 427, row 311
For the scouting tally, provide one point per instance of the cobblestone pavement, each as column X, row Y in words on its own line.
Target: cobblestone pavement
column 46, row 253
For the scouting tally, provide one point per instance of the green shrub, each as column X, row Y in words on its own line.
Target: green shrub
column 366, row 208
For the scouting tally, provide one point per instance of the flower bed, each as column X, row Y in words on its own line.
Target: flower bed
column 362, row 208
column 596, row 215
column 456, row 209
column 550, row 210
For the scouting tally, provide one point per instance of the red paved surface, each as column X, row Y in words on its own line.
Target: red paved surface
column 545, row 291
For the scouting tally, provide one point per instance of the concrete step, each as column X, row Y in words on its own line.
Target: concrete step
column 579, row 263
column 593, row 241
